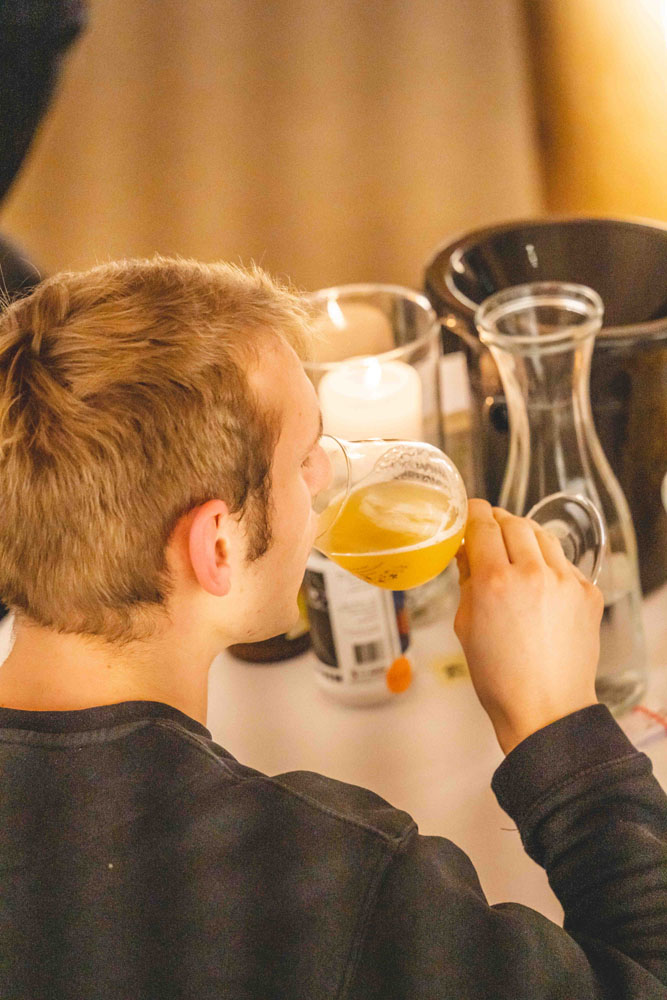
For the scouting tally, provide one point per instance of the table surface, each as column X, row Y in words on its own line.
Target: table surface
column 431, row 751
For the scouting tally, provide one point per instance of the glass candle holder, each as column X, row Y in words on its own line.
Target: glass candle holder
column 376, row 366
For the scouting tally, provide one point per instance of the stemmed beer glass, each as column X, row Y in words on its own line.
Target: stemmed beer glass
column 394, row 513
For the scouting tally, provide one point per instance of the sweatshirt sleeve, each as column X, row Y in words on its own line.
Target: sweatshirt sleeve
column 591, row 813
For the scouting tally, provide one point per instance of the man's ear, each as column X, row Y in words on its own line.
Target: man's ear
column 208, row 548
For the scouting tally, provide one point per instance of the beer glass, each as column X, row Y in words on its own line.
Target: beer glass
column 394, row 512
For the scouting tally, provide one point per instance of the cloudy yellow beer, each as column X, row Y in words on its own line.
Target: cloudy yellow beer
column 396, row 534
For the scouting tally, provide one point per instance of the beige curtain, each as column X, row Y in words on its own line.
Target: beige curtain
column 600, row 83
column 333, row 141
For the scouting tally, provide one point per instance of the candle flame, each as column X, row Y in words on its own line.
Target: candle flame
column 372, row 373
column 336, row 314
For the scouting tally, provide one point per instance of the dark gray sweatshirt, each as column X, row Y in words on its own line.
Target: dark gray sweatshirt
column 138, row 859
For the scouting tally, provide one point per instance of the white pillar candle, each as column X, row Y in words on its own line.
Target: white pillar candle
column 370, row 398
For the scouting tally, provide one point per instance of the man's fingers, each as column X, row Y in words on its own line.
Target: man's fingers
column 554, row 556
column 484, row 543
column 552, row 550
column 495, row 538
column 519, row 537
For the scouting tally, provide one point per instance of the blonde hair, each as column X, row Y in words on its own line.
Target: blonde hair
column 124, row 403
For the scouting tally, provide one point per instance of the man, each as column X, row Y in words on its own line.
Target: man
column 158, row 457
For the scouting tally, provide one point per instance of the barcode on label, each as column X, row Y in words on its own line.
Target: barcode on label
column 367, row 652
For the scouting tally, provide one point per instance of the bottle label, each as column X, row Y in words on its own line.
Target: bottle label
column 358, row 631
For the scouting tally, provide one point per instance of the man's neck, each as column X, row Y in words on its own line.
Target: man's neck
column 47, row 671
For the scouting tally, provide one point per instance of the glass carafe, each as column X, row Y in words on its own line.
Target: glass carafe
column 541, row 336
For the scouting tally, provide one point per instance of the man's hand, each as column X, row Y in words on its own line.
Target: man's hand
column 528, row 621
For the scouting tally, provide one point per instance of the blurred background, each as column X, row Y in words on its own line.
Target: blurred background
column 337, row 141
